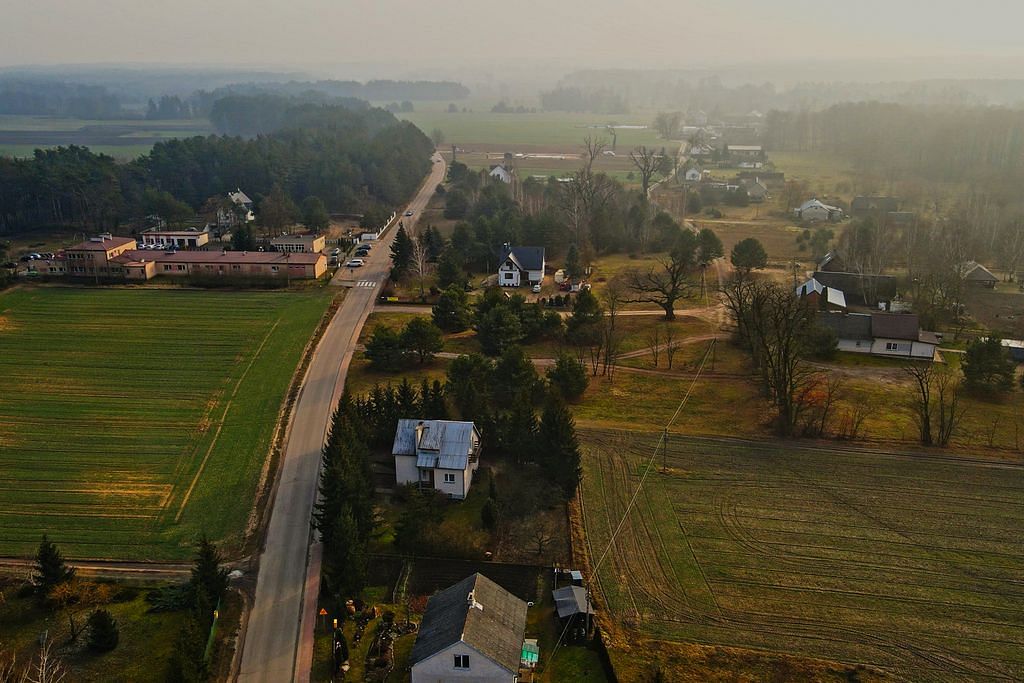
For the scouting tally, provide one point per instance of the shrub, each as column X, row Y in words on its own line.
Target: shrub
column 103, row 632
column 568, row 376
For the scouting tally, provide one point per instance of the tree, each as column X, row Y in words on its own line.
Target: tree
column 558, row 445
column 693, row 203
column 568, row 377
column 747, row 255
column 935, row 403
column 422, row 337
column 401, row 254
column 647, row 163
column 709, row 246
column 50, row 568
column 514, row 376
column 667, row 124
column 103, row 632
column 986, row 364
column 469, row 384
column 498, row 329
column 437, row 137
column 314, row 214
column 573, row 269
column 585, row 328
column 242, row 239
column 384, row 349
column 452, row 312
column 669, row 281
column 420, row 265
column 208, row 576
column 456, row 205
column 277, row 210
column 164, row 205
column 450, row 272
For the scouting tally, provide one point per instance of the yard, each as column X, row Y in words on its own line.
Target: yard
column 799, row 550
column 134, row 420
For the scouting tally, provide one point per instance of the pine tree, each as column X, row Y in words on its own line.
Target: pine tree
column 103, row 632
column 50, row 570
column 188, row 660
column 559, row 446
column 208, row 577
column 401, row 254
column 452, row 312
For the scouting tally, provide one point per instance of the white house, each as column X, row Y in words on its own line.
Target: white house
column 437, row 454
column 693, row 174
column 242, row 213
column 813, row 210
column 501, row 173
column 472, row 631
column 896, row 335
column 520, row 265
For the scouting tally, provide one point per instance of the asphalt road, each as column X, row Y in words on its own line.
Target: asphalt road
column 278, row 640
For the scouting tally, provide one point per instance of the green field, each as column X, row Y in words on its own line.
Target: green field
column 907, row 563
column 123, row 139
column 133, row 420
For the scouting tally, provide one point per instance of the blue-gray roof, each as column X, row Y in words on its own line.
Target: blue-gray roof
column 443, row 444
column 571, row 600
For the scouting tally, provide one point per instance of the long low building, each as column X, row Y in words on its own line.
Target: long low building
column 120, row 258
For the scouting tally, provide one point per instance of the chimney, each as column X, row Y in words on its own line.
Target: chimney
column 471, row 601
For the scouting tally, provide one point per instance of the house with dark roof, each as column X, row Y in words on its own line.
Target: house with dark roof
column 437, row 454
column 897, row 335
column 520, row 266
column 471, row 631
column 976, row 274
column 860, row 289
column 832, row 262
column 819, row 296
column 814, row 210
column 864, row 206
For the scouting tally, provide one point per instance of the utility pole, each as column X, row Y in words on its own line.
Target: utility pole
column 664, row 450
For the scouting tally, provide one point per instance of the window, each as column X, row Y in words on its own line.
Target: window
column 508, row 276
column 273, row 268
column 167, row 266
column 461, row 661
column 892, row 346
column 235, row 266
column 449, row 478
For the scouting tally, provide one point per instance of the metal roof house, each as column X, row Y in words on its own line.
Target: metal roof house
column 822, row 296
column 896, row 335
column 520, row 265
column 814, row 210
column 470, row 631
column 977, row 274
column 437, row 454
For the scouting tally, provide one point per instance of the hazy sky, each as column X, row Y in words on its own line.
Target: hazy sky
column 571, row 33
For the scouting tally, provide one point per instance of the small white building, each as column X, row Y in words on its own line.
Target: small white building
column 191, row 237
column 472, row 631
column 693, row 174
column 519, row 266
column 814, row 211
column 437, row 454
column 501, row 173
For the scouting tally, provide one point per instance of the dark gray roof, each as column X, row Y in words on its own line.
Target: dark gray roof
column 847, row 325
column 570, row 600
column 854, row 285
column 895, row 326
column 444, row 443
column 527, row 258
column 478, row 612
column 976, row 272
column 875, row 203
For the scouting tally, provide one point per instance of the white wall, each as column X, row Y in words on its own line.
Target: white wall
column 441, row 667
column 514, row 282
column 457, row 489
column 405, row 469
column 535, row 275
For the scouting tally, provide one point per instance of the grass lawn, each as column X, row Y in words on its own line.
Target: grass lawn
column 136, row 419
column 145, row 639
column 904, row 563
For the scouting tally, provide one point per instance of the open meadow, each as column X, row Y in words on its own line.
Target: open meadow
column 125, row 139
column 908, row 563
column 132, row 421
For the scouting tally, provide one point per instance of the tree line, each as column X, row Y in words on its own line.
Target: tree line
column 349, row 159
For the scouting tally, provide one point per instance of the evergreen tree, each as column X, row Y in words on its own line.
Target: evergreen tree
column 188, row 658
column 209, row 578
column 573, row 269
column 469, row 385
column 433, row 243
column 450, row 272
column 498, row 329
column 987, row 364
column 50, row 569
column 518, row 433
column 401, row 254
column 747, row 255
column 242, row 239
column 568, row 376
column 103, row 632
column 314, row 214
column 344, row 558
column 384, row 349
column 423, row 338
column 452, row 312
column 515, row 377
column 559, row 446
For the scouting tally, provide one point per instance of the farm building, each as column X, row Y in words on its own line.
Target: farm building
column 878, row 207
column 751, row 152
column 832, row 263
column 520, row 265
column 976, row 274
column 860, row 290
column 501, row 173
column 814, row 211
column 93, row 258
column 822, row 297
column 437, row 454
column 470, row 631
column 755, row 189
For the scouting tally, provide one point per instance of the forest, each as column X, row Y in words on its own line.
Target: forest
column 352, row 160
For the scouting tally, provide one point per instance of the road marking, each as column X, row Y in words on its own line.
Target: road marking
column 366, row 283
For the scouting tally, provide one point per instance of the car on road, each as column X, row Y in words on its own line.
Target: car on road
column 536, row 288
column 355, row 263
column 408, row 213
column 335, row 252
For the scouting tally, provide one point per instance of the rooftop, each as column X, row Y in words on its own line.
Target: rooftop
column 478, row 612
column 271, row 257
column 445, row 444
column 102, row 243
column 527, row 258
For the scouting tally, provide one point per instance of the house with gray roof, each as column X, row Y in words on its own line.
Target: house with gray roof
column 520, row 266
column 472, row 631
column 437, row 454
column 976, row 274
column 821, row 297
column 897, row 335
column 814, row 210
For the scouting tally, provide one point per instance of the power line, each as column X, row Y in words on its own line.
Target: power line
column 662, row 441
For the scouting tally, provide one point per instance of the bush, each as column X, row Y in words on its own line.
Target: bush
column 568, row 376
column 103, row 632
column 822, row 342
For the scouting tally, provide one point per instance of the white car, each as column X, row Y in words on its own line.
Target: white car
column 355, row 263
column 408, row 213
column 536, row 288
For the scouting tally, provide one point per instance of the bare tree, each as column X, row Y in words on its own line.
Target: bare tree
column 670, row 343
column 935, row 403
column 593, row 148
column 654, row 343
column 420, row 264
column 668, row 281
column 46, row 667
column 647, row 162
column 613, row 296
column 667, row 124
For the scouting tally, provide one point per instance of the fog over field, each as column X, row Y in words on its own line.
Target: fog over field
column 404, row 37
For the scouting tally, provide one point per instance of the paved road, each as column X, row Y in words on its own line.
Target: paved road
column 278, row 640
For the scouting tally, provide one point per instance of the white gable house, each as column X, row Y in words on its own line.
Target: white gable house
column 520, row 266
column 501, row 173
column 437, row 454
column 813, row 211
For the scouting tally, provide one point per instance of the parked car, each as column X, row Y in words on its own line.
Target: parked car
column 408, row 213
column 362, row 252
column 335, row 252
column 355, row 263
column 536, row 288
